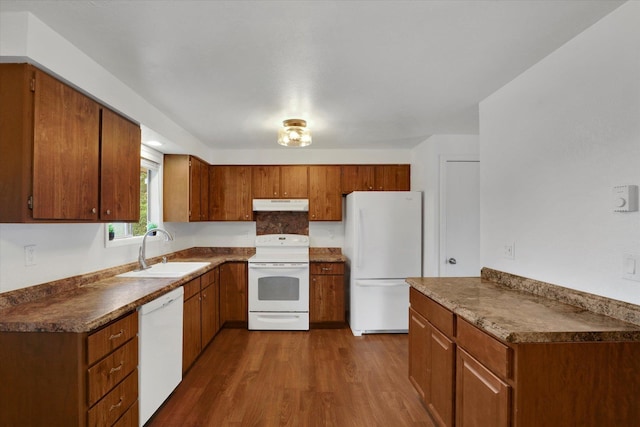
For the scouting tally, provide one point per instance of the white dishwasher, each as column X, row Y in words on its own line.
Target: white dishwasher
column 159, row 351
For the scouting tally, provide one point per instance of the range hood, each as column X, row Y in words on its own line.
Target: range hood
column 281, row 205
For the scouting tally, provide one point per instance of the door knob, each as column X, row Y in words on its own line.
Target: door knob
column 452, row 261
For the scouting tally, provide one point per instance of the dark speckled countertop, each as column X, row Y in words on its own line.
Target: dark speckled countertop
column 87, row 302
column 520, row 310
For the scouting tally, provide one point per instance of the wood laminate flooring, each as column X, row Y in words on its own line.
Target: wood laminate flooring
column 323, row 377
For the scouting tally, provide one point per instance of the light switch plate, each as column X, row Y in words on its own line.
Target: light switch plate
column 631, row 267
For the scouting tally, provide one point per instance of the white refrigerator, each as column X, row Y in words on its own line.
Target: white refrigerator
column 383, row 244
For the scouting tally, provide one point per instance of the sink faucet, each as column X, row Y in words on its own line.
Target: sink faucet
column 142, row 262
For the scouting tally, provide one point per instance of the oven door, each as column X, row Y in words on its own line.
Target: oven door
column 279, row 287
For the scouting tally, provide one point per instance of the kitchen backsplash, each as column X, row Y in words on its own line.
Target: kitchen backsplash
column 282, row 223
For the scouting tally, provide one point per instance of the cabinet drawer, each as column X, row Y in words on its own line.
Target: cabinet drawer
column 191, row 288
column 112, row 336
column 131, row 417
column 116, row 403
column 111, row 370
column 327, row 268
column 488, row 350
column 209, row 278
column 436, row 314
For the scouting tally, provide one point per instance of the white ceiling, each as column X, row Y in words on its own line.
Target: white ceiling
column 364, row 74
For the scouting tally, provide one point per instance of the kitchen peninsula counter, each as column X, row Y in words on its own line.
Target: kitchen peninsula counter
column 519, row 310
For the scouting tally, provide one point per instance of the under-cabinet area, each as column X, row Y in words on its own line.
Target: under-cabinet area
column 485, row 355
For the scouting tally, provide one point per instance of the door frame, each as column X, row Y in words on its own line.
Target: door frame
column 442, row 214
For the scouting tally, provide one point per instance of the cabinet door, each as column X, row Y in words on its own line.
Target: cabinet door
column 195, row 183
column 482, row 399
column 230, row 193
column 233, row 292
column 326, row 298
column 265, row 182
column 209, row 306
column 294, row 182
column 325, row 199
column 393, row 178
column 358, row 178
column 191, row 326
column 418, row 351
column 176, row 184
column 119, row 168
column 191, row 332
column 65, row 152
column 439, row 394
column 204, row 191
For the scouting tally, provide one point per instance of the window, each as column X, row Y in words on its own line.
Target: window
column 123, row 233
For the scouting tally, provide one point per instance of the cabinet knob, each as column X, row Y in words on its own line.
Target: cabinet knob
column 94, row 210
column 370, row 188
column 108, row 211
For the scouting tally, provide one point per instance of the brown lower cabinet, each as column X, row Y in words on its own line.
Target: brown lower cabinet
column 234, row 294
column 201, row 316
column 326, row 294
column 524, row 384
column 76, row 379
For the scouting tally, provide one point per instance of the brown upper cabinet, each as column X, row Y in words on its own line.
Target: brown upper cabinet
column 375, row 178
column 325, row 200
column 186, row 188
column 119, row 179
column 230, row 198
column 56, row 144
column 280, row 182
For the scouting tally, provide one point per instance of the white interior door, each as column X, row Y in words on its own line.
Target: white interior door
column 459, row 217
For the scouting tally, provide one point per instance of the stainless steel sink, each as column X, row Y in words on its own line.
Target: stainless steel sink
column 169, row 269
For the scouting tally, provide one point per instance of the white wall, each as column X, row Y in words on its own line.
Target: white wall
column 553, row 143
column 64, row 250
column 425, row 177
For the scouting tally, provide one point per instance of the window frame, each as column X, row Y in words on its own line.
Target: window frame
column 148, row 158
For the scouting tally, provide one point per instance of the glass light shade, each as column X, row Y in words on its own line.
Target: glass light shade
column 294, row 133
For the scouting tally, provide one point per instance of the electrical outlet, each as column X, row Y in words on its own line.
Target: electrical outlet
column 30, row 255
column 509, row 251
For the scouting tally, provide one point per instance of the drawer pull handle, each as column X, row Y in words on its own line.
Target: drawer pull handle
column 117, row 405
column 326, row 269
column 118, row 335
column 117, row 368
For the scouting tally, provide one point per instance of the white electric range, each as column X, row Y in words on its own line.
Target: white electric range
column 279, row 283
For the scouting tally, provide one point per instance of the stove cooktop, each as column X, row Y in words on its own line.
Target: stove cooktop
column 281, row 248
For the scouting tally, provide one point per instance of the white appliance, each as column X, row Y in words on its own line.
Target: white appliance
column 159, row 350
column 281, row 205
column 383, row 244
column 279, row 283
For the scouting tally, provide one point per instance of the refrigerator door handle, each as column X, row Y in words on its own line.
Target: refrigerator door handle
column 381, row 283
column 360, row 240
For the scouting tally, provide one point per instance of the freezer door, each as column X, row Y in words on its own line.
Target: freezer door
column 379, row 306
column 384, row 234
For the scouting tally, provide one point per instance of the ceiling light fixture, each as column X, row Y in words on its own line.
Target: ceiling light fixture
column 294, row 133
